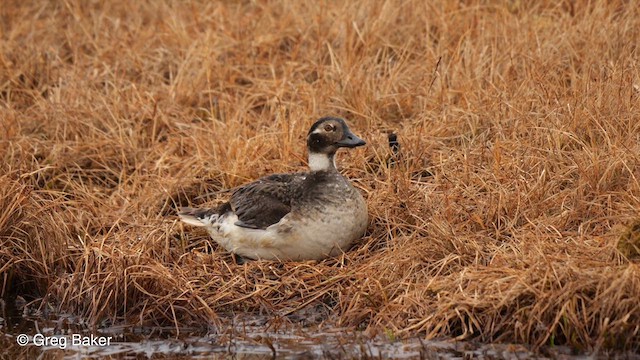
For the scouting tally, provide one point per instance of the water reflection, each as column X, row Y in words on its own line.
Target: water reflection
column 245, row 337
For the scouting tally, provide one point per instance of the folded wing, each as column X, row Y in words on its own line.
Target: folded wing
column 264, row 202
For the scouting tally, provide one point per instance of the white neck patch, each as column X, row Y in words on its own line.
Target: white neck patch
column 320, row 161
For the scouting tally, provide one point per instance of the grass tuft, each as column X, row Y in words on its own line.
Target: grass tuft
column 497, row 219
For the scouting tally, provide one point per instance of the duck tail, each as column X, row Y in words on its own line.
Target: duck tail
column 198, row 217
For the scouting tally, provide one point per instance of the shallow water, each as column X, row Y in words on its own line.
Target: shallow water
column 268, row 346
column 250, row 337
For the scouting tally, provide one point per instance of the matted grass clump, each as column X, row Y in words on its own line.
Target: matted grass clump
column 507, row 215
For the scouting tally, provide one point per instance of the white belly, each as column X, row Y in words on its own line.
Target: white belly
column 313, row 237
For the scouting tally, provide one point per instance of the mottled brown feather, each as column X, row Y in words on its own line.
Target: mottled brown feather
column 267, row 200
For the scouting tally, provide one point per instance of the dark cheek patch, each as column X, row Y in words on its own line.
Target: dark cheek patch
column 316, row 142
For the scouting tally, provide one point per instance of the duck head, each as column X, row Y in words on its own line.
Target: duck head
column 325, row 137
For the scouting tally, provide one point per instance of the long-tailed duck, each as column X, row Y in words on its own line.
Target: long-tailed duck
column 300, row 216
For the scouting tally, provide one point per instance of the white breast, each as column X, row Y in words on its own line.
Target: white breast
column 314, row 236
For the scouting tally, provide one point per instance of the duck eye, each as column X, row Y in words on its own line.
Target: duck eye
column 329, row 127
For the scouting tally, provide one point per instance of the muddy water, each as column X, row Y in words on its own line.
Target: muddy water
column 63, row 336
column 260, row 345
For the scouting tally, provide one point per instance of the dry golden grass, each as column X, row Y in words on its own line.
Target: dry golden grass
column 526, row 113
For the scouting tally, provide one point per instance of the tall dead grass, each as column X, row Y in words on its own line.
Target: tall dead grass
column 524, row 113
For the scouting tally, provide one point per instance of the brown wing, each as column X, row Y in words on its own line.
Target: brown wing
column 265, row 201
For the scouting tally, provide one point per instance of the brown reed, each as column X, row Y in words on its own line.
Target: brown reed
column 508, row 216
